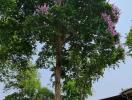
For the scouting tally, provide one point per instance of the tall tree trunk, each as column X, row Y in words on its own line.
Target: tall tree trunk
column 81, row 94
column 58, row 63
column 58, row 71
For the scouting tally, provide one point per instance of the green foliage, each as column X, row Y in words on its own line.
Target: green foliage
column 7, row 6
column 44, row 94
column 28, row 86
column 73, row 91
column 129, row 42
column 87, row 48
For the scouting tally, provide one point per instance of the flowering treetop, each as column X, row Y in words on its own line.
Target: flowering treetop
column 76, row 23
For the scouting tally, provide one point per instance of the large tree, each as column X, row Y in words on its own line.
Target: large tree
column 78, row 37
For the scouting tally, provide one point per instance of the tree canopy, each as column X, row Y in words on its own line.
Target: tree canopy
column 78, row 37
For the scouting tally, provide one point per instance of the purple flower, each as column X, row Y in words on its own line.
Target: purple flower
column 111, row 25
column 42, row 8
column 115, row 12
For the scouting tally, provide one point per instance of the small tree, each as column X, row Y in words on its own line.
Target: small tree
column 27, row 85
column 78, row 37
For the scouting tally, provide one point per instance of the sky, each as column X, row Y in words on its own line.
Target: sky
column 113, row 81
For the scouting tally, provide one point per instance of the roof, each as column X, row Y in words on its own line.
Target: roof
column 123, row 95
column 118, row 97
column 127, row 92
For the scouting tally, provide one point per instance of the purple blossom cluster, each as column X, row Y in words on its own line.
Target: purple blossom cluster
column 115, row 12
column 42, row 8
column 111, row 25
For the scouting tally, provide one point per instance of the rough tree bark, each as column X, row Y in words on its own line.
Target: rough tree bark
column 58, row 70
column 58, row 62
